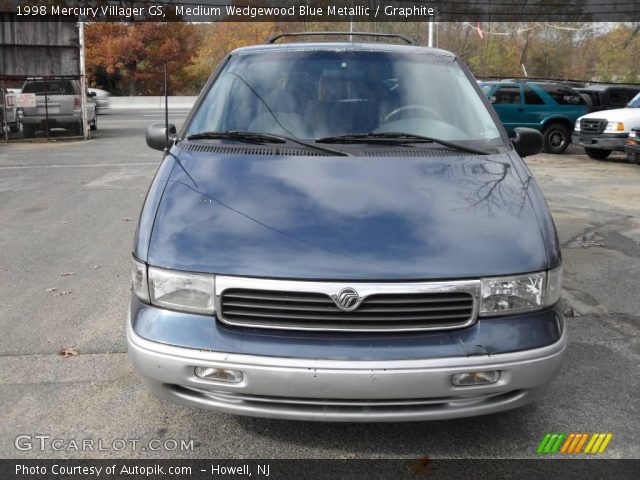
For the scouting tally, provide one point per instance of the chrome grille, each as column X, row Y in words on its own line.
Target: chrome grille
column 592, row 125
column 310, row 306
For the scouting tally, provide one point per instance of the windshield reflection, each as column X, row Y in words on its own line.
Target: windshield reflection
column 315, row 94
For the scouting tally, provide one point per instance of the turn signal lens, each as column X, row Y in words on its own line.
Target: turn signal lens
column 139, row 279
column 219, row 374
column 475, row 378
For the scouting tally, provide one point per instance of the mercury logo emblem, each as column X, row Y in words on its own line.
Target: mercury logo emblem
column 347, row 299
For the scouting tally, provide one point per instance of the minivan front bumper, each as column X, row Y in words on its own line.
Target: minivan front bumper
column 345, row 390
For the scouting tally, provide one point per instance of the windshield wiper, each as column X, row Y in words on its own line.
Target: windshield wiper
column 257, row 137
column 239, row 135
column 397, row 137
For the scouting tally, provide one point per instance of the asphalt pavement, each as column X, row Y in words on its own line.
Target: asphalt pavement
column 68, row 212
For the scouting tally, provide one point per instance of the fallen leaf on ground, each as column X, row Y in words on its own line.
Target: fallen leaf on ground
column 126, row 219
column 69, row 352
column 570, row 312
column 67, row 274
column 49, row 290
column 64, row 292
column 97, row 267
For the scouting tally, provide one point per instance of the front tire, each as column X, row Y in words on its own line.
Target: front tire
column 556, row 138
column 94, row 124
column 597, row 153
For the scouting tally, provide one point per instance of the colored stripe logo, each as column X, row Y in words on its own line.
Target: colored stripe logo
column 574, row 443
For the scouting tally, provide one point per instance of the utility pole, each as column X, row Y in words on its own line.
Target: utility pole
column 83, row 82
column 351, row 23
column 430, row 33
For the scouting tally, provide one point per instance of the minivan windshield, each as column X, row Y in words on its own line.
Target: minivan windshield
column 314, row 94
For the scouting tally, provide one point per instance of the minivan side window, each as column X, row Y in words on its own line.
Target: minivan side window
column 531, row 97
column 563, row 95
column 507, row 94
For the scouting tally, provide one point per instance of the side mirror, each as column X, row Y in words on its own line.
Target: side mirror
column 156, row 135
column 493, row 99
column 527, row 141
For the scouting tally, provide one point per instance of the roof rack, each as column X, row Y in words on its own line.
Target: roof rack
column 404, row 38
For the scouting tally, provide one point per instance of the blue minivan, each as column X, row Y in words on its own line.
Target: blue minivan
column 344, row 231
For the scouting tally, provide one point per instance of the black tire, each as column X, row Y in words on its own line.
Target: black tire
column 29, row 131
column 94, row 124
column 597, row 153
column 15, row 128
column 556, row 138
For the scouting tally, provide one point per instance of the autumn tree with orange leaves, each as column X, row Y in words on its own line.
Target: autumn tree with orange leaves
column 130, row 58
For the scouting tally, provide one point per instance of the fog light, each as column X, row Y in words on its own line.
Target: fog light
column 475, row 378
column 219, row 374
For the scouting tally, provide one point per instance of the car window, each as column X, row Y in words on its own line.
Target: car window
column 316, row 93
column 507, row 94
column 619, row 97
column 635, row 102
column 562, row 95
column 531, row 97
column 53, row 87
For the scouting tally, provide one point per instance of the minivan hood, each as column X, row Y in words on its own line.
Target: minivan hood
column 441, row 215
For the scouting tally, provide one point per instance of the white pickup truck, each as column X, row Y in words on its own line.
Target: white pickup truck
column 602, row 132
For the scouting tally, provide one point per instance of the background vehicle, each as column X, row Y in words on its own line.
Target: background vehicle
column 100, row 97
column 602, row 132
column 58, row 105
column 551, row 108
column 607, row 97
column 632, row 148
column 8, row 115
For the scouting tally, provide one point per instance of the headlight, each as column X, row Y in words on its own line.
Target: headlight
column 577, row 126
column 519, row 293
column 139, row 277
column 632, row 134
column 187, row 292
column 614, row 127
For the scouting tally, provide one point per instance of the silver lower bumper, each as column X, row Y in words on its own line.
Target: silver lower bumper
column 343, row 390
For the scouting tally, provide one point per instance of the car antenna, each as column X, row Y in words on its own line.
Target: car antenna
column 166, row 110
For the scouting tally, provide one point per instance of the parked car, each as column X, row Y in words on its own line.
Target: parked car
column 58, row 105
column 100, row 97
column 551, row 108
column 601, row 133
column 607, row 97
column 8, row 116
column 334, row 236
column 632, row 148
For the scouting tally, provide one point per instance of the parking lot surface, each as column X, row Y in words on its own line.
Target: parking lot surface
column 68, row 212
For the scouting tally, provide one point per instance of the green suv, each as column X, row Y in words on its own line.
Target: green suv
column 551, row 108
